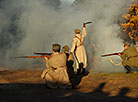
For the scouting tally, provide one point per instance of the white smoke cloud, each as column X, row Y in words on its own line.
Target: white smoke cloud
column 105, row 30
column 40, row 25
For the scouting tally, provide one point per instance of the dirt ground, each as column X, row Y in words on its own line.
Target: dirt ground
column 27, row 86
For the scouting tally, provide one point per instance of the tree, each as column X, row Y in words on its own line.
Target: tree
column 130, row 27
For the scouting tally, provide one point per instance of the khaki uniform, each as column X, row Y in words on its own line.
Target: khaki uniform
column 137, row 48
column 130, row 57
column 56, row 75
column 78, row 48
column 137, row 52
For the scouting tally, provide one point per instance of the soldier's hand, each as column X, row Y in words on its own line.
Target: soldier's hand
column 70, row 56
column 119, row 54
column 45, row 58
column 71, row 53
column 84, row 25
column 42, row 75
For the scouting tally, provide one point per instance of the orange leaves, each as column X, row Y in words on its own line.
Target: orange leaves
column 131, row 24
column 126, row 16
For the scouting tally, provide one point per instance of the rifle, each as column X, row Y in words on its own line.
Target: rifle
column 112, row 54
column 42, row 53
column 33, row 56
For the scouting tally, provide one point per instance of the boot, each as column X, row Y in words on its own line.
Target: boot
column 83, row 70
column 129, row 70
column 78, row 71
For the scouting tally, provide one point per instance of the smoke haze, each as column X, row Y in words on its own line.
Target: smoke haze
column 29, row 26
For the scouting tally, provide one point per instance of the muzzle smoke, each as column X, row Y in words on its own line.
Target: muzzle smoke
column 28, row 26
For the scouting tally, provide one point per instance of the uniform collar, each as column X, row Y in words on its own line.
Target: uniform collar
column 55, row 53
column 77, row 34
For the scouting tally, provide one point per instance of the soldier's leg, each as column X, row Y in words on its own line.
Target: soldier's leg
column 77, row 68
column 137, row 68
column 81, row 67
column 85, row 72
column 78, row 71
column 129, row 70
column 125, row 63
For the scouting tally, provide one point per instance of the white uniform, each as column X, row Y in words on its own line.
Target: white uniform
column 78, row 48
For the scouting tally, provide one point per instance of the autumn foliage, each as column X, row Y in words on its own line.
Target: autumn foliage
column 131, row 24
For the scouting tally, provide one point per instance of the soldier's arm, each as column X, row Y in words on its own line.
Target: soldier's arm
column 123, row 56
column 47, row 63
column 47, row 68
column 40, row 60
column 83, row 32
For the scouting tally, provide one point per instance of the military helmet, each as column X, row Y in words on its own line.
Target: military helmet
column 65, row 49
column 127, row 44
column 77, row 31
column 56, row 47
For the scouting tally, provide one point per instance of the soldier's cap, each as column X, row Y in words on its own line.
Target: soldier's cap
column 56, row 47
column 127, row 44
column 65, row 48
column 77, row 31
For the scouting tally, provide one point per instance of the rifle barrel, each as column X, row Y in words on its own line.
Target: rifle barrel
column 111, row 54
column 38, row 53
column 33, row 56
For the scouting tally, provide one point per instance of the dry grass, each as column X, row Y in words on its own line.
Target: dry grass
column 92, row 85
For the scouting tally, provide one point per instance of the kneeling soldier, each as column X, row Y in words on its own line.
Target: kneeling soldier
column 129, row 57
column 56, row 75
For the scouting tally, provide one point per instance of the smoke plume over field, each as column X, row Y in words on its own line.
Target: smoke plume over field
column 28, row 26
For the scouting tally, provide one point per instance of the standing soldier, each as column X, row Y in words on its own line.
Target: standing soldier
column 129, row 57
column 79, row 50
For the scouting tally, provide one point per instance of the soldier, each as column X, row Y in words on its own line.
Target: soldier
column 69, row 61
column 65, row 50
column 129, row 57
column 79, row 50
column 137, row 46
column 56, row 75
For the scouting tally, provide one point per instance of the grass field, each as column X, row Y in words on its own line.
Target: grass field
column 27, row 86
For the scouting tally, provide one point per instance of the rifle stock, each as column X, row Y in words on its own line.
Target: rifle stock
column 112, row 54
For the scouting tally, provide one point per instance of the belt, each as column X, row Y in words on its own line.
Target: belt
column 132, row 57
column 54, row 68
column 60, row 67
column 79, row 45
